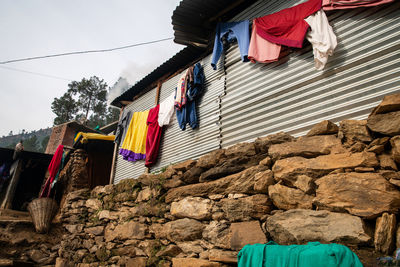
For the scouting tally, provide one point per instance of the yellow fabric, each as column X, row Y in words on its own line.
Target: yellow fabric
column 93, row 136
column 135, row 138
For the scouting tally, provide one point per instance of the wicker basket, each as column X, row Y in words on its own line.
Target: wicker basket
column 42, row 211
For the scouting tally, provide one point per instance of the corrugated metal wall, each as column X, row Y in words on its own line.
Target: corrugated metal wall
column 290, row 95
column 178, row 145
column 125, row 169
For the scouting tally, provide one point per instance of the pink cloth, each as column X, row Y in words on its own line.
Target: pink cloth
column 262, row 50
column 287, row 27
column 53, row 170
column 345, row 4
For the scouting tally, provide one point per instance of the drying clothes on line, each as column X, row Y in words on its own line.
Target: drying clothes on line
column 345, row 4
column 314, row 254
column 262, row 50
column 287, row 27
column 188, row 114
column 322, row 38
column 232, row 31
column 153, row 137
column 122, row 127
column 53, row 170
column 134, row 146
column 180, row 96
column 166, row 110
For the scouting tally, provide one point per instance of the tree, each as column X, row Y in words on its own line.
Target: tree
column 64, row 107
column 112, row 115
column 43, row 144
column 31, row 144
column 91, row 95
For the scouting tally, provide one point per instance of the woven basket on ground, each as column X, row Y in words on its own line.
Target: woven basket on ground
column 42, row 211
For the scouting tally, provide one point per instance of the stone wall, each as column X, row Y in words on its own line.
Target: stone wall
column 337, row 184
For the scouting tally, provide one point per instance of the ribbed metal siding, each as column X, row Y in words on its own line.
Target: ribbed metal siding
column 125, row 169
column 178, row 145
column 290, row 95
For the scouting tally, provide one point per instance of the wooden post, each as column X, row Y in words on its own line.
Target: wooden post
column 12, row 186
column 112, row 174
column 158, row 93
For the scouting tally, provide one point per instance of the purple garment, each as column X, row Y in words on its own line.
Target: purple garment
column 130, row 155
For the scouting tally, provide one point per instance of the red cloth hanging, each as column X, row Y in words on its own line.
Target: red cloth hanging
column 153, row 137
column 287, row 27
column 53, row 170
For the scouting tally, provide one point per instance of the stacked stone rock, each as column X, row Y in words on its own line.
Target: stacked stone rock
column 337, row 184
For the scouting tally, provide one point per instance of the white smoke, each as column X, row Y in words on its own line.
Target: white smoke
column 117, row 89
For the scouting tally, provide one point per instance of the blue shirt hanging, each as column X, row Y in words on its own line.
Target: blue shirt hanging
column 231, row 31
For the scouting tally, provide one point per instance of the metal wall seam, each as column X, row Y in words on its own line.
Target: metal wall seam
column 178, row 145
column 290, row 95
column 125, row 169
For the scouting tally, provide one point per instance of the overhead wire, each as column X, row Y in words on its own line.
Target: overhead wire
column 37, row 73
column 85, row 52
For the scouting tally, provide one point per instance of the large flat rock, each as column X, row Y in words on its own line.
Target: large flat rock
column 301, row 226
column 242, row 182
column 183, row 230
column 307, row 147
column 288, row 169
column 367, row 195
column 246, row 208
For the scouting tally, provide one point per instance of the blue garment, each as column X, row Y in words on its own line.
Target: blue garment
column 188, row 114
column 232, row 31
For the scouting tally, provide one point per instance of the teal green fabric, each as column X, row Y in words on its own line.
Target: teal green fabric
column 314, row 254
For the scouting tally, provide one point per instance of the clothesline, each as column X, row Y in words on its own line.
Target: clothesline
column 288, row 27
column 140, row 132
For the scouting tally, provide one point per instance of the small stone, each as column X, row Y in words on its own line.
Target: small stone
column 98, row 230
column 216, row 197
column 169, row 251
column 244, row 233
column 364, row 169
column 263, row 180
column 387, row 124
column 192, row 207
column 351, row 131
column 322, row 128
column 286, row 198
column 357, row 147
column 236, row 196
column 387, row 162
column 266, row 162
column 93, row 203
column 305, row 184
column 223, row 256
column 384, row 233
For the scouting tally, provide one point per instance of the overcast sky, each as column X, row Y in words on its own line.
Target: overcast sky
column 43, row 27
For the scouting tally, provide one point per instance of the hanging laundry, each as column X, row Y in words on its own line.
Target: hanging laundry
column 188, row 114
column 153, row 137
column 180, row 96
column 134, row 146
column 122, row 127
column 261, row 50
column 232, row 31
column 314, row 254
column 322, row 38
column 345, row 4
column 287, row 27
column 53, row 170
column 166, row 110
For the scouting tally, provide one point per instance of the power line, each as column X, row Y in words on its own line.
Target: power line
column 37, row 73
column 85, row 52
